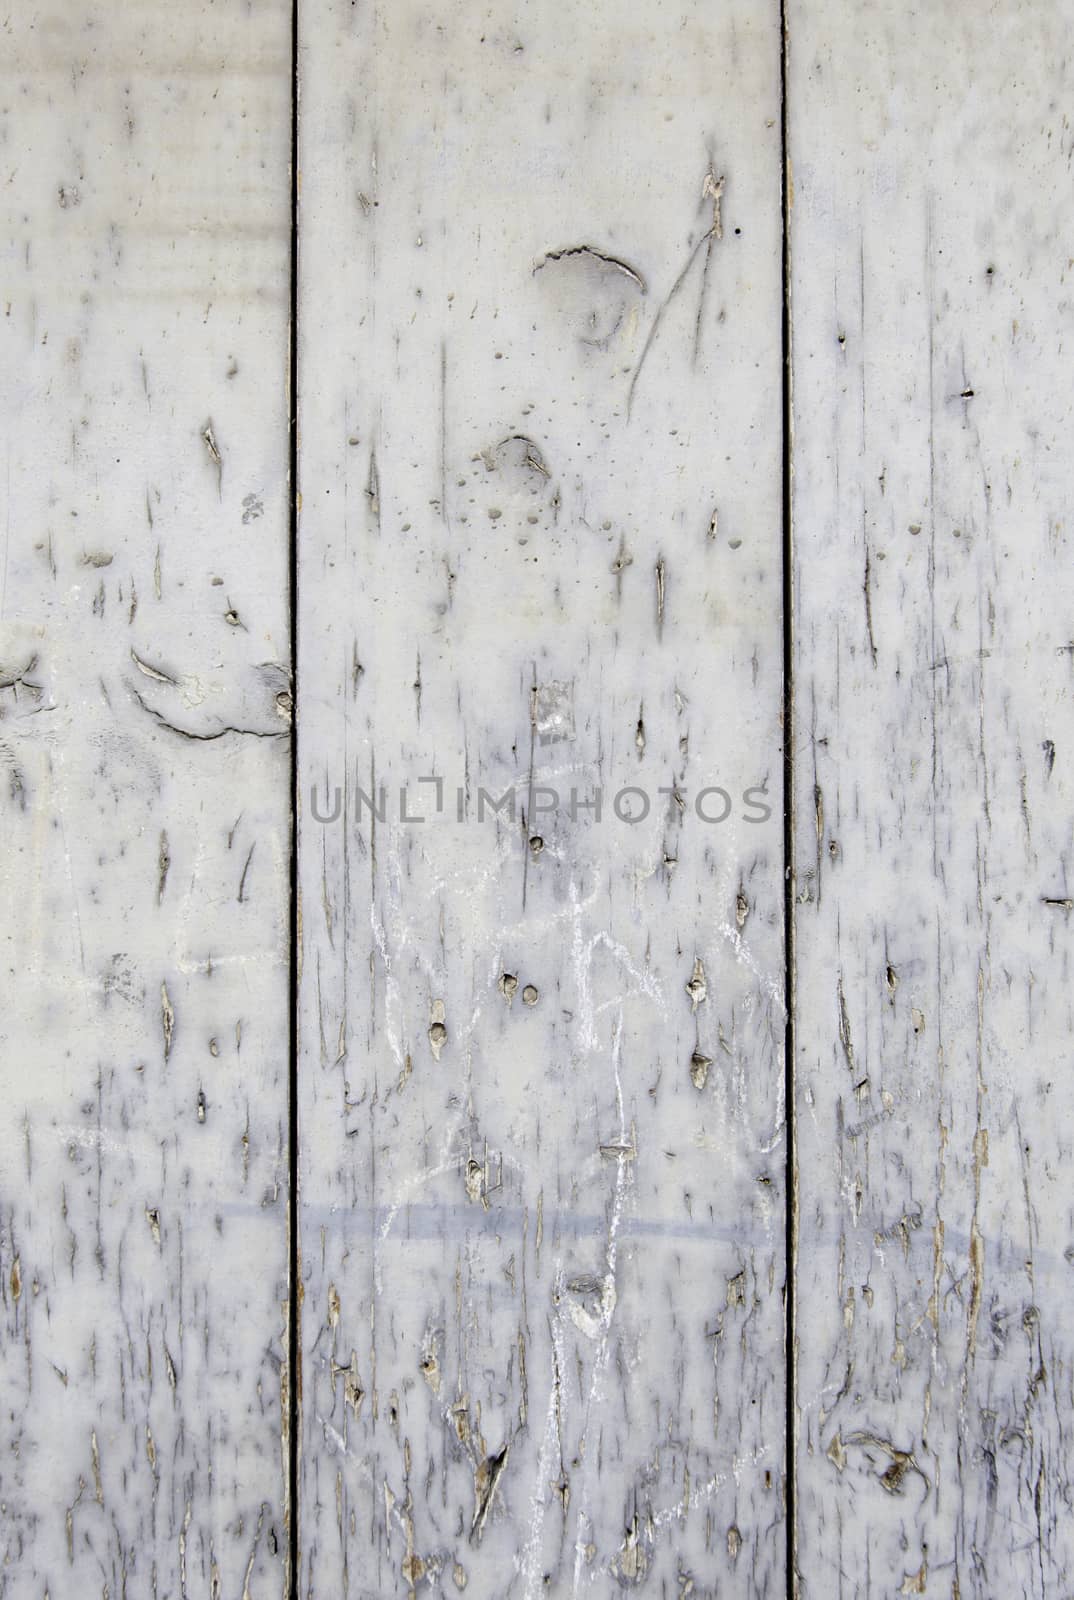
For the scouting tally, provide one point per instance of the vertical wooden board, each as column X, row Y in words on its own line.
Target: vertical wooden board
column 932, row 605
column 541, row 1055
column 144, row 733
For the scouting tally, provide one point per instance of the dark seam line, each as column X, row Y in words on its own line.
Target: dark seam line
column 791, row 1184
column 293, row 1331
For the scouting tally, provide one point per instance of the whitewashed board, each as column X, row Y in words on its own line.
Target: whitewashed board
column 933, row 597
column 144, row 739
column 542, row 1222
column 541, row 1055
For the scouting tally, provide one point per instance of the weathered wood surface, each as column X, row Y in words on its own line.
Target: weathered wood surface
column 144, row 733
column 541, row 1057
column 541, row 1069
column 933, row 595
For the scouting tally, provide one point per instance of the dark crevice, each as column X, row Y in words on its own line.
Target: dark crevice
column 791, row 1181
column 294, row 1378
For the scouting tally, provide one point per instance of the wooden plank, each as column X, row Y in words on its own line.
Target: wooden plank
column 542, row 1220
column 932, row 605
column 144, row 735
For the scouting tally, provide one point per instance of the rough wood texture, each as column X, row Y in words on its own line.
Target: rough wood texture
column 144, row 730
column 541, row 1044
column 932, row 601
column 542, row 1128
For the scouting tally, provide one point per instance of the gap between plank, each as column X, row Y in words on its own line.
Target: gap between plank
column 294, row 1371
column 791, row 1178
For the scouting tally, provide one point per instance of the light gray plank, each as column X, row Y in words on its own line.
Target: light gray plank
column 542, row 1246
column 932, row 606
column 144, row 733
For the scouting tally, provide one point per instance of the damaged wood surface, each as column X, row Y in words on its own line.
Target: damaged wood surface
column 144, row 754
column 541, row 1050
column 542, row 1220
column 933, row 593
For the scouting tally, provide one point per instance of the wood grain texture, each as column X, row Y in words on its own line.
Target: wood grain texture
column 541, row 1055
column 933, row 591
column 144, row 733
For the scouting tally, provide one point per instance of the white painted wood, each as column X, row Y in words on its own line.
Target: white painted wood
column 541, row 1059
column 144, row 727
column 932, row 612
